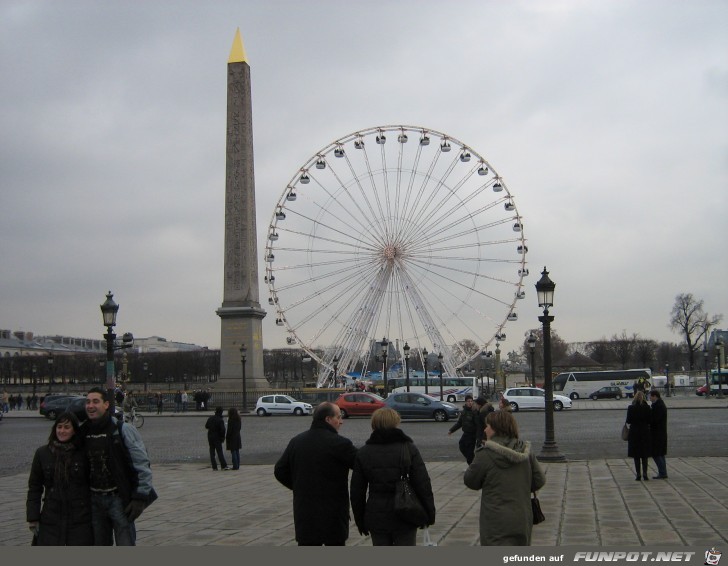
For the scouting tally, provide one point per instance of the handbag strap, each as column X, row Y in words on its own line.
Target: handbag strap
column 405, row 461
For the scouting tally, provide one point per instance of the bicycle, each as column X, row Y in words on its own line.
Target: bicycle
column 134, row 418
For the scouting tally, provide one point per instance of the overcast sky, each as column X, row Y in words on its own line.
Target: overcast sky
column 607, row 119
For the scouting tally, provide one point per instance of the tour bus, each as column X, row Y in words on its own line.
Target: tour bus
column 453, row 388
column 581, row 384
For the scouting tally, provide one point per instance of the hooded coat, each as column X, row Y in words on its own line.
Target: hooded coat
column 315, row 465
column 377, row 468
column 506, row 472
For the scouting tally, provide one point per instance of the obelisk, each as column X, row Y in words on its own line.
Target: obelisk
column 240, row 315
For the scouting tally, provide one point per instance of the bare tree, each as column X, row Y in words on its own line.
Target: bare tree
column 689, row 319
column 623, row 347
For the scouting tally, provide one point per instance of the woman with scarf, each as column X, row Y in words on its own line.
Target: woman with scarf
column 59, row 479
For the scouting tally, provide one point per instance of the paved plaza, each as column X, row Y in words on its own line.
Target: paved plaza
column 587, row 503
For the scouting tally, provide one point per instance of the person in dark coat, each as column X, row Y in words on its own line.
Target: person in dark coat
column 639, row 441
column 468, row 421
column 315, row 466
column 215, row 426
column 658, row 430
column 377, row 468
column 233, row 440
column 483, row 407
column 59, row 477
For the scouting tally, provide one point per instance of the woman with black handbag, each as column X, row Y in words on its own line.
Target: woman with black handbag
column 380, row 465
column 507, row 472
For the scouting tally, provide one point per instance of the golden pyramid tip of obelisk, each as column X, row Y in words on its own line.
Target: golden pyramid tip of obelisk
column 237, row 53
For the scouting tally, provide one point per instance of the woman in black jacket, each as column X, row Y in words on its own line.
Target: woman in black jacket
column 233, row 440
column 639, row 441
column 377, row 468
column 59, row 478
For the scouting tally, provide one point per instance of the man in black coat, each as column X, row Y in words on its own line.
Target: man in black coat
column 215, row 426
column 315, row 465
column 468, row 421
column 658, row 430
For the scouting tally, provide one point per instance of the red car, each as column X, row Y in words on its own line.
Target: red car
column 357, row 404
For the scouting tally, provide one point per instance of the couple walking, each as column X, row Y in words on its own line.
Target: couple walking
column 217, row 433
column 315, row 466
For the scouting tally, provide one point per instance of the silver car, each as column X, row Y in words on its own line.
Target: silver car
column 421, row 406
column 533, row 398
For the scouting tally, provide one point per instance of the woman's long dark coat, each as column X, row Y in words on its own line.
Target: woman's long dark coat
column 65, row 517
column 658, row 428
column 638, row 419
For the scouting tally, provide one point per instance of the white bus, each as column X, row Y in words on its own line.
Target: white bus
column 453, row 388
column 581, row 384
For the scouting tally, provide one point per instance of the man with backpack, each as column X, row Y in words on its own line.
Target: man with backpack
column 120, row 474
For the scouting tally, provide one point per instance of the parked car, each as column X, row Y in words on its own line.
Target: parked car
column 281, row 405
column 533, row 398
column 59, row 404
column 701, row 391
column 607, row 392
column 358, row 404
column 421, row 406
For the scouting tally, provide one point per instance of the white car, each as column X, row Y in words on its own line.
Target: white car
column 533, row 398
column 281, row 405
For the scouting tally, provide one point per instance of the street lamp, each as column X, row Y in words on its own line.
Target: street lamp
column 335, row 361
column 50, row 371
column 385, row 348
column 424, row 363
column 146, row 376
column 532, row 347
column 719, row 345
column 705, row 364
column 667, row 379
column 109, row 309
column 439, row 360
column 243, row 360
column 406, row 350
column 35, row 378
column 545, row 292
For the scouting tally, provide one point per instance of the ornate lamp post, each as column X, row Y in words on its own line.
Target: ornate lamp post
column 424, row 363
column 406, row 350
column 109, row 309
column 50, row 372
column 243, row 360
column 667, row 379
column 719, row 345
column 35, row 377
column 532, row 347
column 335, row 361
column 439, row 361
column 707, row 371
column 545, row 292
column 385, row 348
column 146, row 375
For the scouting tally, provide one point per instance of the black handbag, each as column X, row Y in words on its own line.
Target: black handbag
column 407, row 506
column 538, row 516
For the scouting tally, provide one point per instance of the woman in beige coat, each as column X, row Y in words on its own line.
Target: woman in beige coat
column 506, row 472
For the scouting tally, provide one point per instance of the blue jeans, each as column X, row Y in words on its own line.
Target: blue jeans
column 661, row 466
column 235, row 455
column 110, row 522
column 217, row 449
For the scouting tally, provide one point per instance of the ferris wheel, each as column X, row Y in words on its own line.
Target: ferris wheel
column 400, row 232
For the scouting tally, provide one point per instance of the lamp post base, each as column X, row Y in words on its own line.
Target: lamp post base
column 550, row 453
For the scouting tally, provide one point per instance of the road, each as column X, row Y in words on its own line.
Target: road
column 580, row 435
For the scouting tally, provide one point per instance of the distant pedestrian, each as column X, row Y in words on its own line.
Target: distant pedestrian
column 658, row 432
column 315, row 466
column 6, row 401
column 377, row 468
column 233, row 439
column 506, row 471
column 28, row 403
column 639, row 439
column 19, row 401
column 12, row 402
column 503, row 404
column 483, row 408
column 185, row 399
column 58, row 505
column 160, row 403
column 178, row 401
column 468, row 421
column 215, row 426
